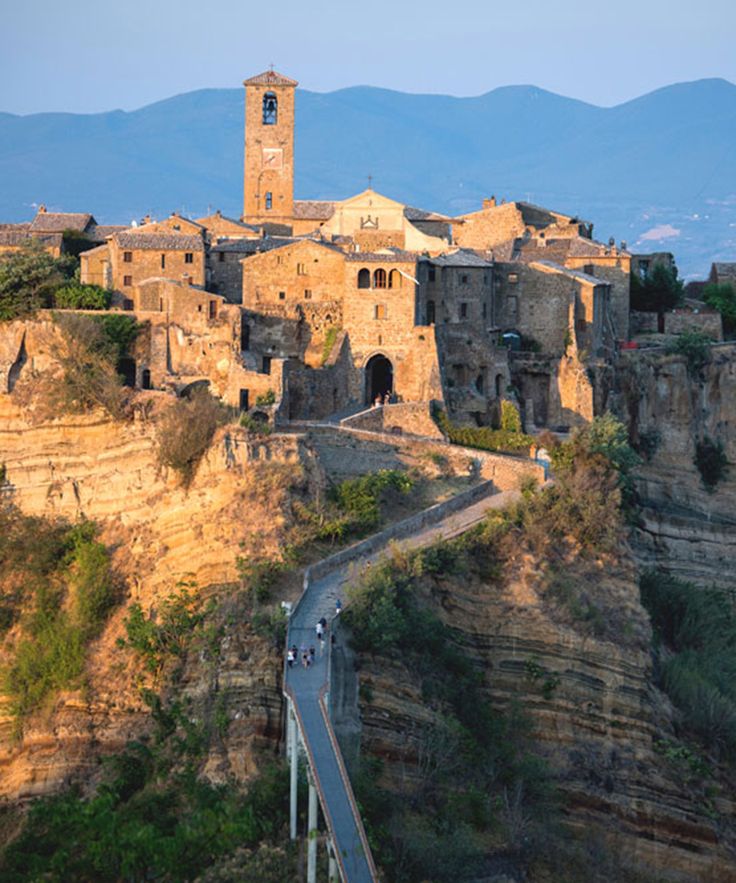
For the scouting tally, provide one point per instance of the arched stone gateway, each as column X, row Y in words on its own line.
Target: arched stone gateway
column 379, row 378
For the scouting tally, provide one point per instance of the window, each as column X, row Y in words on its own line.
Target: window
column 127, row 280
column 160, row 305
column 269, row 200
column 300, row 270
column 463, row 311
column 364, row 278
column 221, row 256
column 379, row 311
column 128, row 257
column 282, row 295
column 394, row 279
column 464, row 279
column 266, row 364
column 432, row 274
column 163, row 261
column 307, row 294
column 379, row 278
column 512, row 278
column 188, row 257
column 270, row 109
column 244, row 399
column 212, row 312
column 244, row 337
column 430, row 312
column 485, row 311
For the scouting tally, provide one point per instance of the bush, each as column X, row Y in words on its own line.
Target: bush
column 265, row 399
column 723, row 299
column 330, row 338
column 68, row 590
column 698, row 628
column 695, row 347
column 159, row 636
column 254, row 425
column 186, row 431
column 711, row 461
column 77, row 296
column 486, row 439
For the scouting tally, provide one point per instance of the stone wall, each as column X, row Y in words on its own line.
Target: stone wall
column 703, row 320
column 411, row 418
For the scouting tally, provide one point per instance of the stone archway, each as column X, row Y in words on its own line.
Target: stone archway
column 379, row 378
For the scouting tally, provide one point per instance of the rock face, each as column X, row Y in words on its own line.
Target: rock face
column 160, row 534
column 597, row 726
column 684, row 529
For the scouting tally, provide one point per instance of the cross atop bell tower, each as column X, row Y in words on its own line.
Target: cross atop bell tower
column 268, row 188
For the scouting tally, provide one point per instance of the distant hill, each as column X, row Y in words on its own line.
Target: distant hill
column 664, row 162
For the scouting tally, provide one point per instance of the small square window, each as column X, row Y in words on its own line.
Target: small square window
column 513, row 278
column 432, row 274
column 128, row 257
column 307, row 294
column 282, row 295
column 127, row 280
column 464, row 279
column 221, row 256
column 266, row 364
column 463, row 311
column 300, row 270
column 380, row 311
column 188, row 257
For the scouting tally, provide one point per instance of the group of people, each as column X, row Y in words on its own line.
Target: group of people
column 384, row 399
column 308, row 654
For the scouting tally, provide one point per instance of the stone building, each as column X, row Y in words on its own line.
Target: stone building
column 268, row 192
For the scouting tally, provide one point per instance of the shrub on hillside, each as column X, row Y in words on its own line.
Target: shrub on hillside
column 78, row 296
column 723, row 299
column 510, row 439
column 186, row 430
column 695, row 347
column 711, row 462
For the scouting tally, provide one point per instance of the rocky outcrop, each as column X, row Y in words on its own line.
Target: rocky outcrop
column 159, row 533
column 684, row 528
column 596, row 716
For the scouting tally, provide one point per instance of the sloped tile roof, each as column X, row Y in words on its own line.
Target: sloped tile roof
column 57, row 222
column 170, row 241
column 577, row 275
column 102, row 231
column 418, row 214
column 313, row 209
column 394, row 255
column 270, row 78
column 460, row 258
column 251, row 246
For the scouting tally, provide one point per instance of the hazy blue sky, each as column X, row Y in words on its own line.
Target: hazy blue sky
column 87, row 55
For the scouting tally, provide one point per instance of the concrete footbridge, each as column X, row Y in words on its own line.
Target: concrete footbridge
column 309, row 727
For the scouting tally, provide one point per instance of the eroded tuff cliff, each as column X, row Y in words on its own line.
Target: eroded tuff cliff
column 159, row 533
column 596, row 715
column 669, row 406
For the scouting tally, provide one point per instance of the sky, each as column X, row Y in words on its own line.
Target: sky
column 86, row 56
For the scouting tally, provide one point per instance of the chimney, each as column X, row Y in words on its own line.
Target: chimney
column 146, row 219
column 42, row 209
column 489, row 203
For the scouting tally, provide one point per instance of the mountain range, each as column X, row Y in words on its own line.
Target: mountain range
column 658, row 171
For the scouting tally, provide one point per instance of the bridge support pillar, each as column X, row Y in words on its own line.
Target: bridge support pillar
column 312, row 834
column 292, row 747
column 331, row 864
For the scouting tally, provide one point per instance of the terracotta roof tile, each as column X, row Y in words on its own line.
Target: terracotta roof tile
column 270, row 78
column 170, row 241
column 313, row 209
column 57, row 222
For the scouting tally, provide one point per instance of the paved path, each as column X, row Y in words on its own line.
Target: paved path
column 307, row 687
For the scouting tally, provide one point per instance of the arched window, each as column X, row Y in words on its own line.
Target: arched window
column 270, row 109
column 269, row 200
column 394, row 279
column 364, row 278
column 379, row 278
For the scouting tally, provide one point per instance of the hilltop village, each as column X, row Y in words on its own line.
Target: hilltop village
column 328, row 306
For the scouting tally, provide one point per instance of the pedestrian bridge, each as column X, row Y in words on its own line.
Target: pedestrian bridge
column 307, row 690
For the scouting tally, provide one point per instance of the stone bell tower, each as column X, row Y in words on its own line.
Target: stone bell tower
column 268, row 191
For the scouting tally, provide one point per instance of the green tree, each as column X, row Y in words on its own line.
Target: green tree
column 723, row 299
column 662, row 290
column 28, row 278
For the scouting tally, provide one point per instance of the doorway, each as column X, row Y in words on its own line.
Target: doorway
column 379, row 378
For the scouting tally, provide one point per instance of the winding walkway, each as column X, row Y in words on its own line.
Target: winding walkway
column 324, row 583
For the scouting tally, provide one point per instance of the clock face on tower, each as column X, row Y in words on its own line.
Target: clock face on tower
column 273, row 157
